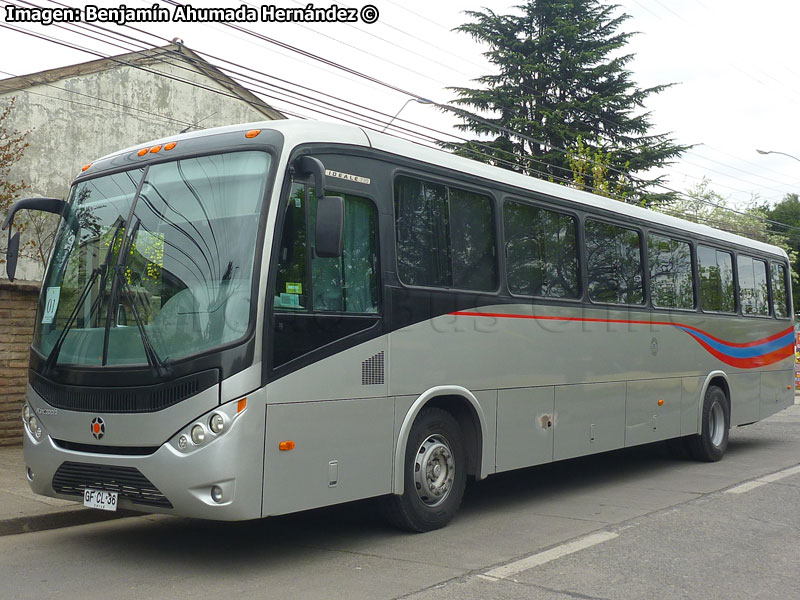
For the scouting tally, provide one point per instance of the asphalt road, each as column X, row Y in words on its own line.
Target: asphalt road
column 631, row 524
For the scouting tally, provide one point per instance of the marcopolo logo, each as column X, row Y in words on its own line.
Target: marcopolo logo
column 98, row 428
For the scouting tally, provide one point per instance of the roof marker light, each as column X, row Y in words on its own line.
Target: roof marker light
column 143, row 151
column 155, row 149
column 86, row 167
column 170, row 146
column 252, row 133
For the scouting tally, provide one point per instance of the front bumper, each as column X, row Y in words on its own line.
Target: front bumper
column 234, row 462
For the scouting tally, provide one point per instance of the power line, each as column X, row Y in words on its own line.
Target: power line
column 495, row 159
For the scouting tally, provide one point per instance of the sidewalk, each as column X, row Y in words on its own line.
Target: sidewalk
column 22, row 511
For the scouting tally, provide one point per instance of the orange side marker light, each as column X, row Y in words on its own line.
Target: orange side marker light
column 155, row 149
column 286, row 445
column 143, row 151
column 661, row 403
column 86, row 167
column 252, row 133
column 241, row 405
column 170, row 146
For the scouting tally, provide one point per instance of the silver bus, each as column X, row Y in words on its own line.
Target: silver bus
column 266, row 318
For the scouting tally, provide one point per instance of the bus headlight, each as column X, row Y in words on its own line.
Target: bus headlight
column 208, row 427
column 198, row 434
column 216, row 423
column 26, row 413
column 34, row 427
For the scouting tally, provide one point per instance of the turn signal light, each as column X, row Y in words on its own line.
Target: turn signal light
column 252, row 133
column 241, row 405
column 286, row 445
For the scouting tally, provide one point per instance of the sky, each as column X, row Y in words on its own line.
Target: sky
column 733, row 62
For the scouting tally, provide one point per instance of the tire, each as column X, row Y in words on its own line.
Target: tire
column 434, row 474
column 712, row 442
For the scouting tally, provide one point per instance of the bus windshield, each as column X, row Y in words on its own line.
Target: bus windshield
column 160, row 256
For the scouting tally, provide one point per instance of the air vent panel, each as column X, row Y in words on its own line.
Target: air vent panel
column 372, row 370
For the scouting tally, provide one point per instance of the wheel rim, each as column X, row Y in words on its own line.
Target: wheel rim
column 434, row 470
column 716, row 424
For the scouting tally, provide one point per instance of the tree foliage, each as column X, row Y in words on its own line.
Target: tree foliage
column 36, row 229
column 561, row 88
column 787, row 211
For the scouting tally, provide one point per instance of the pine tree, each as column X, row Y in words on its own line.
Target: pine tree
column 562, row 90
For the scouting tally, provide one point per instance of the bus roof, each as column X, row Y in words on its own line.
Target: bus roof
column 297, row 132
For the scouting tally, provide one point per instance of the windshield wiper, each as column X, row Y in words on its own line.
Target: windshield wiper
column 52, row 358
column 158, row 366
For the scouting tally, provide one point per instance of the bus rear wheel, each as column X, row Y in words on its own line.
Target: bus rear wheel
column 434, row 474
column 711, row 444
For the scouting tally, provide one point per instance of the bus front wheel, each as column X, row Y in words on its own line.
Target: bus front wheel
column 711, row 444
column 434, row 474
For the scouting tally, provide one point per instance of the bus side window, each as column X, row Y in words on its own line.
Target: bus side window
column 614, row 263
column 716, row 280
column 671, row 283
column 779, row 295
column 541, row 251
column 753, row 294
column 348, row 283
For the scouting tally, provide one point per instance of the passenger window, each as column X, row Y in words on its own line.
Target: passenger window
column 670, row 272
column 753, row 293
column 472, row 241
column 614, row 262
column 541, row 251
column 445, row 236
column 347, row 283
column 715, row 268
column 780, row 297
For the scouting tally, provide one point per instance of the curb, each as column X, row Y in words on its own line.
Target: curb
column 57, row 520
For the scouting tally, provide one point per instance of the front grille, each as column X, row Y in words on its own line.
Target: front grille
column 98, row 449
column 73, row 478
column 137, row 399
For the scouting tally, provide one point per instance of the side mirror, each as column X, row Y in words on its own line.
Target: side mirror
column 12, row 253
column 51, row 205
column 329, row 228
column 306, row 165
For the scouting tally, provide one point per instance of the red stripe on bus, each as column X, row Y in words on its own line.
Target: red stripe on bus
column 755, row 361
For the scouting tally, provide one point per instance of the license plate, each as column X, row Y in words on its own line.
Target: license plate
column 100, row 499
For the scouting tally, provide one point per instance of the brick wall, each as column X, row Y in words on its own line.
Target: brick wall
column 17, row 311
